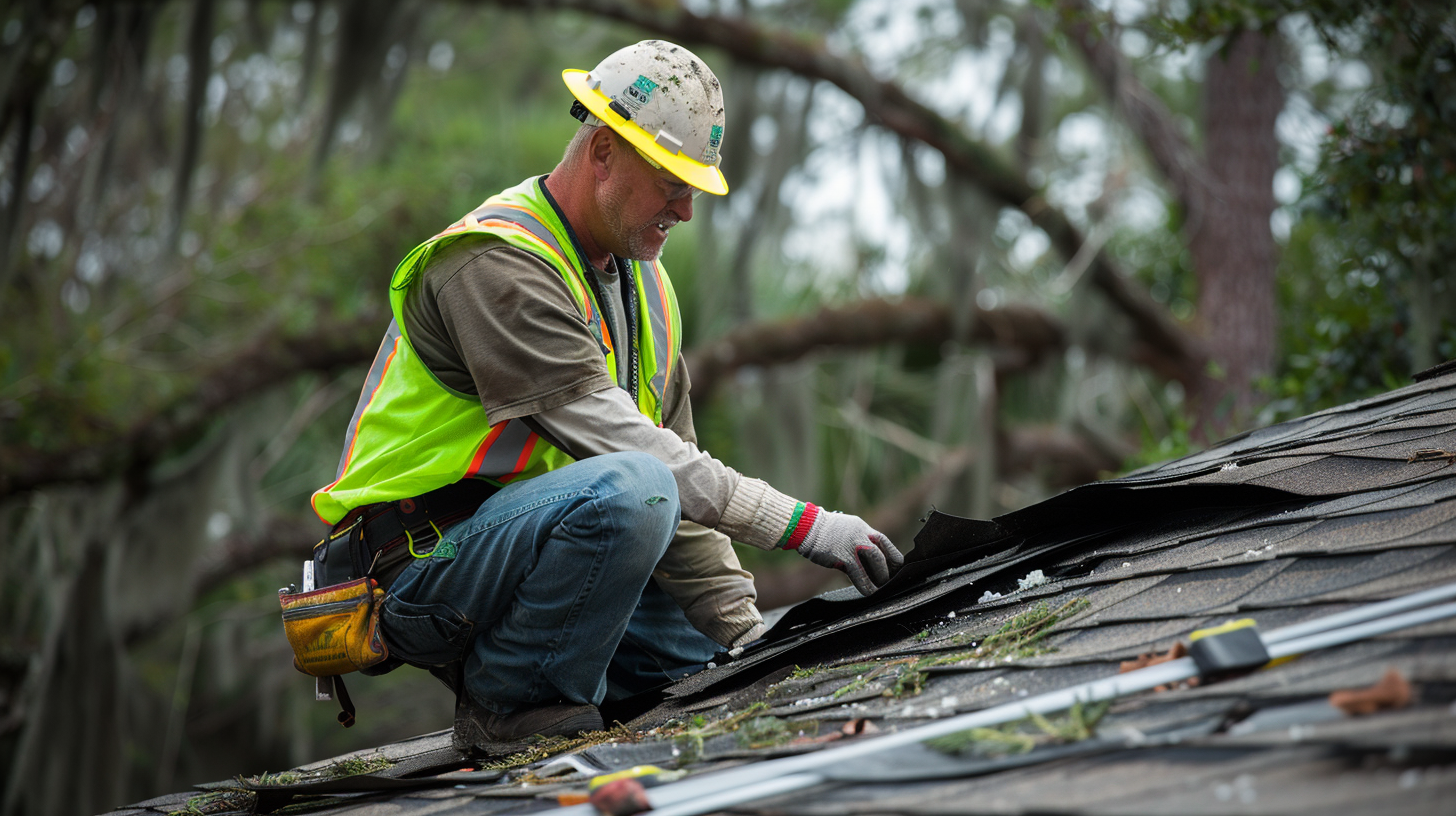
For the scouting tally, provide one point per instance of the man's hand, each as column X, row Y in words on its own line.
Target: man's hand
column 847, row 543
column 762, row 517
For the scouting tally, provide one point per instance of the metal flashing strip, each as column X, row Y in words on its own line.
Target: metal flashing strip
column 698, row 795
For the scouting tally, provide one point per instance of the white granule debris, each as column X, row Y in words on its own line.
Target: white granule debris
column 1035, row 578
column 1126, row 564
column 948, row 702
column 1229, row 466
column 951, row 615
column 988, row 595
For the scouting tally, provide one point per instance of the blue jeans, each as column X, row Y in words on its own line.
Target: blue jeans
column 544, row 593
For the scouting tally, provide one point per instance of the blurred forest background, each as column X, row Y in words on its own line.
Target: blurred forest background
column 976, row 252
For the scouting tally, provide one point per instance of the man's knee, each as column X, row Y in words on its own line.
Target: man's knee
column 640, row 474
column 641, row 490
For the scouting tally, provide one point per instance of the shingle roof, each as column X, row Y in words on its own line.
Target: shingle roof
column 1284, row 524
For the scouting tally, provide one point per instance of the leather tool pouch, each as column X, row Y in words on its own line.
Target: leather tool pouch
column 339, row 558
column 334, row 630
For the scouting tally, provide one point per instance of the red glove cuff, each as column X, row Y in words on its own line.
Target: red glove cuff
column 799, row 525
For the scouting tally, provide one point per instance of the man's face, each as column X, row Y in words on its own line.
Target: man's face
column 639, row 204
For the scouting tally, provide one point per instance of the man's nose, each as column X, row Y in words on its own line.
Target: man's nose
column 682, row 208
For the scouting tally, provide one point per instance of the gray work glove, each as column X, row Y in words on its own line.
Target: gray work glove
column 847, row 543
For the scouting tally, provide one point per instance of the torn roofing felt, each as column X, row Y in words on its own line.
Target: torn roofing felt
column 1374, row 474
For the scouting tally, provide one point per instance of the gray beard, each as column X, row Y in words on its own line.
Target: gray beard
column 635, row 241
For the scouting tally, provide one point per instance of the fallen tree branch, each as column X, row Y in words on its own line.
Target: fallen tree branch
column 1022, row 336
column 271, row 360
column 888, row 105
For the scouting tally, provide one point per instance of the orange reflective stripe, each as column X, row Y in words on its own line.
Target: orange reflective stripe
column 523, row 460
column 505, row 452
column 485, row 446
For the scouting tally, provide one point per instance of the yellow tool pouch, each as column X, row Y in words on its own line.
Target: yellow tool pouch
column 334, row 630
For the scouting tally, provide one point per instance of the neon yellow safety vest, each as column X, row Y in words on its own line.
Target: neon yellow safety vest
column 410, row 433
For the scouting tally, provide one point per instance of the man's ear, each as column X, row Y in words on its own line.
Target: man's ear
column 601, row 152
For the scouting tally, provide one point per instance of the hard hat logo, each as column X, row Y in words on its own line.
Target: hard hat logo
column 641, row 91
column 664, row 101
column 715, row 138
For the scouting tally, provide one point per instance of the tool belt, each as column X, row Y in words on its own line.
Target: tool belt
column 334, row 627
column 380, row 540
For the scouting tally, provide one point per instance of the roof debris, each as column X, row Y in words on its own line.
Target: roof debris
column 1392, row 691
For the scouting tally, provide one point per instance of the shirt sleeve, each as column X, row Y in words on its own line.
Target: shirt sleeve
column 519, row 333
column 606, row 421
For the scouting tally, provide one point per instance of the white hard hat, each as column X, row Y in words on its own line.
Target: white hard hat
column 663, row 100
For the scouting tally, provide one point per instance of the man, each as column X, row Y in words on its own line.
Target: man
column 522, row 459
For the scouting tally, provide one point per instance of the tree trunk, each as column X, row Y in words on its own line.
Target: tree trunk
column 1230, row 239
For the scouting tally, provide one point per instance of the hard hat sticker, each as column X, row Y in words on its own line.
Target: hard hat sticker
column 715, row 140
column 639, row 92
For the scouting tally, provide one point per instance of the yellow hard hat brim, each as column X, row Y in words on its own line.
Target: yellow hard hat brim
column 705, row 177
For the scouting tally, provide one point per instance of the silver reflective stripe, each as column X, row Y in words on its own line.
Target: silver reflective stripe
column 371, row 385
column 505, row 451
column 532, row 224
column 656, row 310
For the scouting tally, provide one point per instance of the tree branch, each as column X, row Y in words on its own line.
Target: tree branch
column 233, row 557
column 1141, row 109
column 1024, row 335
column 888, row 105
column 271, row 360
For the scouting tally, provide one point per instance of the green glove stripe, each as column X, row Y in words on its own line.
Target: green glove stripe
column 793, row 522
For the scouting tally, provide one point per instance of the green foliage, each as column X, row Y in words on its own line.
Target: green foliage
column 765, row 732
column 687, row 738
column 1175, row 442
column 218, row 802
column 546, row 747
column 1386, row 189
column 1018, row 636
column 1364, row 296
column 1079, row 723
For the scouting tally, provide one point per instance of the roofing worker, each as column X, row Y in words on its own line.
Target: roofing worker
column 522, row 459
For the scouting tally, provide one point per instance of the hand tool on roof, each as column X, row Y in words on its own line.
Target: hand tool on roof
column 718, row 791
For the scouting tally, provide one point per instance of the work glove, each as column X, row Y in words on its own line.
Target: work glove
column 762, row 517
column 844, row 542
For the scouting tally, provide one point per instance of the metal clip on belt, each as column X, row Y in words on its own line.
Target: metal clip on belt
column 364, row 535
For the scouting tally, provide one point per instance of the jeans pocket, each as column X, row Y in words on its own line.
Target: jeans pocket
column 424, row 634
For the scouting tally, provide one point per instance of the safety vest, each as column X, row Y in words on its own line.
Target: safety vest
column 410, row 433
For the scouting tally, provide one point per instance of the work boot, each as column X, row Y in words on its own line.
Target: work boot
column 476, row 726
